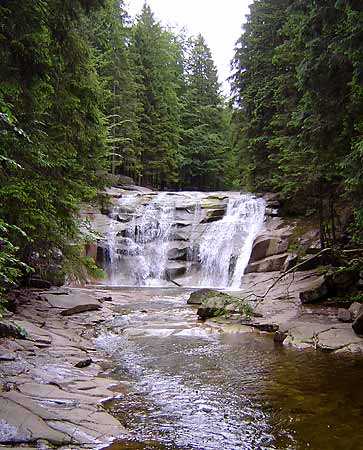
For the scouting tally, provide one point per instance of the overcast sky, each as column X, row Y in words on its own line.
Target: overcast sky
column 220, row 22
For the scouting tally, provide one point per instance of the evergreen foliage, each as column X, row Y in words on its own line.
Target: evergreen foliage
column 298, row 104
column 83, row 92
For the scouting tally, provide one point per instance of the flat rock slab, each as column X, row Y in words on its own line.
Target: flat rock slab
column 71, row 300
column 81, row 309
column 339, row 337
column 19, row 424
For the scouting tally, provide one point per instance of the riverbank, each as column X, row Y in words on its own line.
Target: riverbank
column 51, row 387
column 277, row 308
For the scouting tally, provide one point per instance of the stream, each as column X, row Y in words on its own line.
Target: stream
column 190, row 385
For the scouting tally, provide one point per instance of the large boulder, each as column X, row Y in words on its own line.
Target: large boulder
column 270, row 264
column 265, row 246
column 202, row 295
column 215, row 304
column 317, row 290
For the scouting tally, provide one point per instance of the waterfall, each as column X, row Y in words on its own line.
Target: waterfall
column 200, row 239
column 226, row 245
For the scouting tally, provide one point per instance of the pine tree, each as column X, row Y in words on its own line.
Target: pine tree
column 205, row 139
column 156, row 63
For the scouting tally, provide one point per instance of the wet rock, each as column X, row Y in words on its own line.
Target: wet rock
column 358, row 322
column 266, row 327
column 213, row 215
column 265, row 246
column 178, row 253
column 175, row 270
column 84, row 363
column 217, row 197
column 213, row 204
column 336, row 338
column 270, row 264
column 344, row 315
column 317, row 290
column 280, row 336
column 81, row 309
column 272, row 212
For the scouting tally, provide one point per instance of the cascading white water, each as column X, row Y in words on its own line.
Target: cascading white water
column 139, row 258
column 169, row 235
column 227, row 244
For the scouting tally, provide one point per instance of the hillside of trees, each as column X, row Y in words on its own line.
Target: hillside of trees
column 86, row 93
column 298, row 106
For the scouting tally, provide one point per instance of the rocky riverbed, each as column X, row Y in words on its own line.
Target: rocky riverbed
column 52, row 371
column 51, row 388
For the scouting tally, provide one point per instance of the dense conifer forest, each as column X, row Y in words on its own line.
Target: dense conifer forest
column 87, row 94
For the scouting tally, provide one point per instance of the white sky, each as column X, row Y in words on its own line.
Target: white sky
column 219, row 21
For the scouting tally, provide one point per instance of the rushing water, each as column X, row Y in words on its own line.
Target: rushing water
column 190, row 387
column 169, row 235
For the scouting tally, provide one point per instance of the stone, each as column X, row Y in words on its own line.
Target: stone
column 280, row 336
column 84, row 363
column 123, row 179
column 309, row 263
column 269, row 264
column 216, row 304
column 344, row 315
column 317, row 290
column 80, row 309
column 217, row 196
column 6, row 357
column 272, row 212
column 290, row 262
column 71, row 300
column 175, row 270
column 8, row 329
column 358, row 322
column 336, row 338
column 178, row 253
column 354, row 309
column 37, row 283
column 304, row 334
column 197, row 297
column 19, row 424
column 265, row 246
column 340, row 281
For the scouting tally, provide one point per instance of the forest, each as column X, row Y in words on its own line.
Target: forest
column 87, row 94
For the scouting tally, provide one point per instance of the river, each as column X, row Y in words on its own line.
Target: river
column 191, row 385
